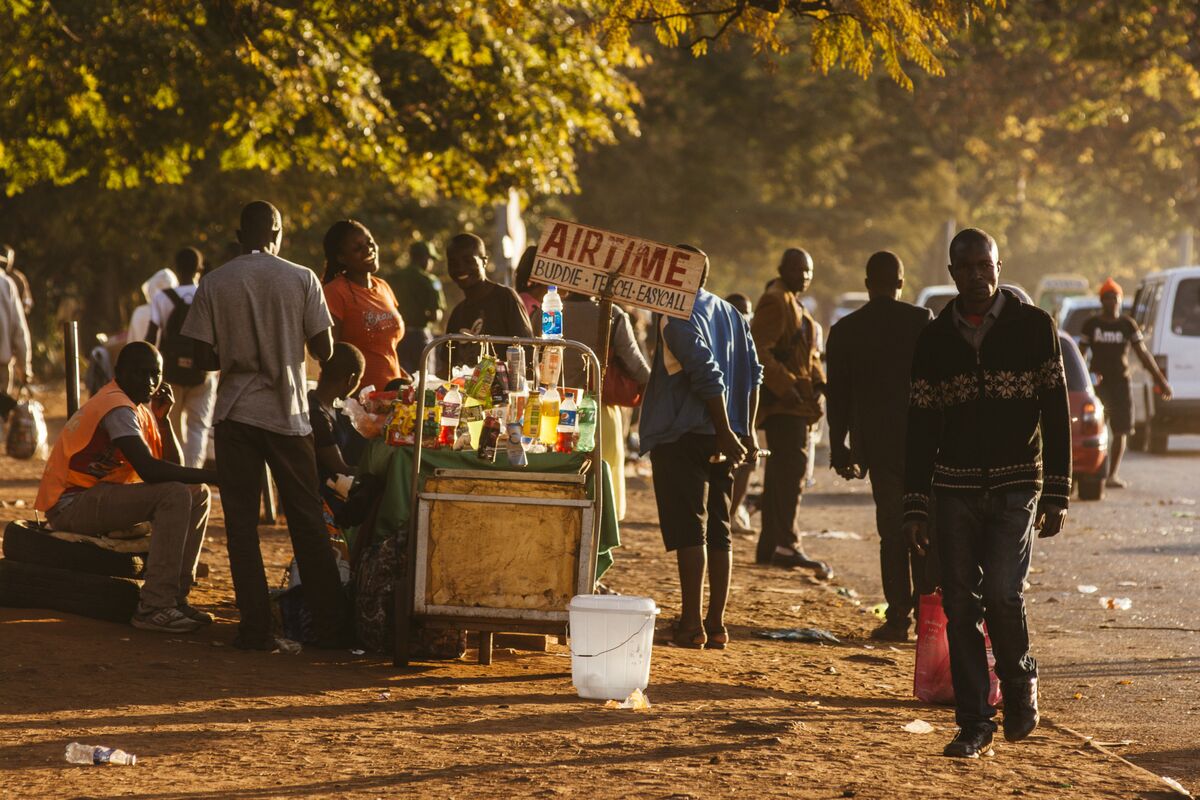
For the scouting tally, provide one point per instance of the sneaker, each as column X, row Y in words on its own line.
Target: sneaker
column 1020, row 708
column 203, row 617
column 164, row 620
column 971, row 742
column 741, row 521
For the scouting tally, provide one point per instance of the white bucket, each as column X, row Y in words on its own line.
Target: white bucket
column 611, row 639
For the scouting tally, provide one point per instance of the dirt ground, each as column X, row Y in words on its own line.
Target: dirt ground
column 761, row 719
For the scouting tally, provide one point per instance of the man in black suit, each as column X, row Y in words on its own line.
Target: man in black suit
column 870, row 355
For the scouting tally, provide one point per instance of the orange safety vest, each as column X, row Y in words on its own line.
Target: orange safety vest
column 78, row 433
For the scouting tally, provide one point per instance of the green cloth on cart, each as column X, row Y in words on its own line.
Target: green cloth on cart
column 394, row 464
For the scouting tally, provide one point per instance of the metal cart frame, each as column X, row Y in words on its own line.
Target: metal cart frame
column 411, row 608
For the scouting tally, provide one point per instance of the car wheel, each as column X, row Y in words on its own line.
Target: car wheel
column 1091, row 488
column 1158, row 442
column 1139, row 440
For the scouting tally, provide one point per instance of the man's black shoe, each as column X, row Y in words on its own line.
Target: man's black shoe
column 1020, row 708
column 794, row 559
column 891, row 632
column 971, row 742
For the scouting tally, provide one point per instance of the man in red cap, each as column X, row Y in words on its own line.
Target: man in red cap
column 1109, row 335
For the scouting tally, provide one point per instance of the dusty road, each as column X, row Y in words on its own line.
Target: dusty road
column 1117, row 675
column 762, row 719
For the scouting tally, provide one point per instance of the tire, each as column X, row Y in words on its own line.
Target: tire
column 96, row 596
column 27, row 544
column 1091, row 488
column 1158, row 441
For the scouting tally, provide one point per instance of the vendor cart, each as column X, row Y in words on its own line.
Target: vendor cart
column 497, row 550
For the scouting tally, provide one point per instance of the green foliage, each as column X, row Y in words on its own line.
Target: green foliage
column 1070, row 131
column 438, row 98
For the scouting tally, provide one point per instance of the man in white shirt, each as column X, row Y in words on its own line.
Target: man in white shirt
column 15, row 350
column 256, row 314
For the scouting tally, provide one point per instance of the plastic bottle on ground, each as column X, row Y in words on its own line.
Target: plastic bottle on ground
column 549, row 426
column 90, row 754
column 552, row 314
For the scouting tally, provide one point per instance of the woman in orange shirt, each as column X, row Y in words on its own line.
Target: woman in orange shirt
column 364, row 309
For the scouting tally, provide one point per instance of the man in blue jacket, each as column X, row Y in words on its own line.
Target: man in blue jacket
column 697, row 425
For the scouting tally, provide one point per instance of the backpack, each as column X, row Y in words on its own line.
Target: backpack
column 179, row 351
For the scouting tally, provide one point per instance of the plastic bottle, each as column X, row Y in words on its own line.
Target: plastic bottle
column 552, row 314
column 551, row 366
column 89, row 754
column 568, row 425
column 489, row 438
column 550, row 403
column 587, row 423
column 533, row 415
column 451, row 411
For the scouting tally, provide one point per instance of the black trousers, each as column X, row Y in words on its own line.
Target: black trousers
column 902, row 570
column 692, row 493
column 241, row 452
column 783, row 480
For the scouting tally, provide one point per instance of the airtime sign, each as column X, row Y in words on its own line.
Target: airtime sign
column 644, row 273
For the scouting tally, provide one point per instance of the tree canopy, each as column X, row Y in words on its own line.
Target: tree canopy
column 459, row 99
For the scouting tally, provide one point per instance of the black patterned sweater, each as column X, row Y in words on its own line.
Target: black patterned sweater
column 995, row 420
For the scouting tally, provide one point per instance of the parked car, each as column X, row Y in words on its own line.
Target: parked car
column 1052, row 290
column 1077, row 310
column 936, row 297
column 847, row 302
column 1167, row 308
column 1089, row 429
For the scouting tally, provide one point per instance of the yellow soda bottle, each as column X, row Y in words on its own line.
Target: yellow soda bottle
column 550, row 404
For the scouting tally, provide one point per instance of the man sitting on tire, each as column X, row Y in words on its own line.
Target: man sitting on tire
column 116, row 464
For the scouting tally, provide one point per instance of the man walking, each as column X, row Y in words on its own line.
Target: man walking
column 419, row 293
column 697, row 425
column 258, row 312
column 1110, row 334
column 195, row 389
column 16, row 353
column 989, row 433
column 785, row 335
column 870, row 354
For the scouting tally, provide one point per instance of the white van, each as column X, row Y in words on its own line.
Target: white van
column 1167, row 308
column 936, row 297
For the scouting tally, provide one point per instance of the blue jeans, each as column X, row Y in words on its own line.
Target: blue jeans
column 984, row 543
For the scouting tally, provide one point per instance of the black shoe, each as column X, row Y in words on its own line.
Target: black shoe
column 971, row 742
column 1020, row 708
column 820, row 569
column 891, row 632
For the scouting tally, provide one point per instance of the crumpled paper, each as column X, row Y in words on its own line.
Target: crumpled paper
column 636, row 702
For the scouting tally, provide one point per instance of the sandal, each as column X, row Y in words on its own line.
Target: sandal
column 718, row 637
column 693, row 639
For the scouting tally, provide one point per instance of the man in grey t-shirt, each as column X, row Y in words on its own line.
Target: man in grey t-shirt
column 258, row 312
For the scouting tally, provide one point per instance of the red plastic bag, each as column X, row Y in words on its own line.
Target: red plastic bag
column 931, row 683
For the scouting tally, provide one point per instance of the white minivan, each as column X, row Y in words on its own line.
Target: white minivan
column 1167, row 308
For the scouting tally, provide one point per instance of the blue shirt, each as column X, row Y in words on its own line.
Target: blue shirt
column 706, row 356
